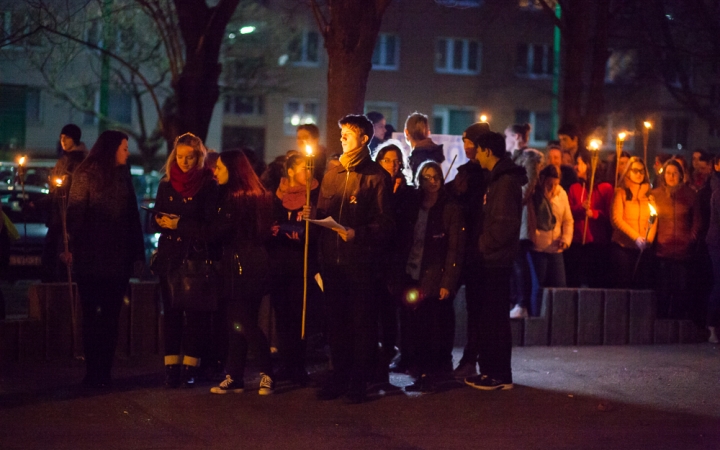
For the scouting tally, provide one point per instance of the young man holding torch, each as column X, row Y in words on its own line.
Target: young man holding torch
column 356, row 194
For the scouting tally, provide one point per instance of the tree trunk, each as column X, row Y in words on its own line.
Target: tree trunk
column 350, row 37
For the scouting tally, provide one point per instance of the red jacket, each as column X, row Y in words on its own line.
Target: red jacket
column 599, row 228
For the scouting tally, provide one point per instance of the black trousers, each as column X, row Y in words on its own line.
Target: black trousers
column 473, row 293
column 587, row 265
column 671, row 286
column 352, row 315
column 624, row 261
column 244, row 332
column 494, row 339
column 432, row 326
column 523, row 276
column 101, row 299
column 287, row 299
column 185, row 332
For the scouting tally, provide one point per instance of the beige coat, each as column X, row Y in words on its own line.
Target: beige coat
column 548, row 241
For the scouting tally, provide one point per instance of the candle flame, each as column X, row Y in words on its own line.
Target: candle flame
column 653, row 212
column 308, row 150
column 648, row 125
column 622, row 136
column 58, row 182
column 483, row 118
column 595, row 144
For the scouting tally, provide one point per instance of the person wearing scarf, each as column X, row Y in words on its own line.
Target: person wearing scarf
column 287, row 251
column 186, row 198
column 356, row 193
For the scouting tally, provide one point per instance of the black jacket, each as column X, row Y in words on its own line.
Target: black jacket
column 423, row 151
column 468, row 189
column 358, row 198
column 188, row 238
column 444, row 246
column 104, row 224
column 500, row 238
column 64, row 168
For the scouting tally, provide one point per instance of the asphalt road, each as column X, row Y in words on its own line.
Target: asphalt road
column 652, row 397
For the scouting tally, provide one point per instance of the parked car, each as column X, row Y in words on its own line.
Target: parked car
column 37, row 172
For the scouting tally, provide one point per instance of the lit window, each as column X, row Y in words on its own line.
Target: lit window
column 460, row 56
column 299, row 112
column 386, row 54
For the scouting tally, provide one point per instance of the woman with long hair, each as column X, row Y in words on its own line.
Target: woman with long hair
column 106, row 241
column 186, row 199
column 242, row 224
column 432, row 227
column 678, row 225
column 632, row 232
column 586, row 263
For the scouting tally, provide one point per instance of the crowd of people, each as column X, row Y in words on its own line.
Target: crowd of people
column 381, row 285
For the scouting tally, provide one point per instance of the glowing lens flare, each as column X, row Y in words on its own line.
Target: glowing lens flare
column 247, row 30
column 412, row 296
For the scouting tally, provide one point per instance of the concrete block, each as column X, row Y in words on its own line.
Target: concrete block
column 641, row 317
column 688, row 332
column 665, row 331
column 517, row 328
column 9, row 340
column 51, row 303
column 563, row 317
column 144, row 317
column 590, row 317
column 615, row 319
column 537, row 329
column 31, row 340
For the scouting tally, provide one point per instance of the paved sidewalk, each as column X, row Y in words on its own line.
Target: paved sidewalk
column 651, row 397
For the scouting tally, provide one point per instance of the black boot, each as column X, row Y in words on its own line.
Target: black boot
column 172, row 376
column 189, row 376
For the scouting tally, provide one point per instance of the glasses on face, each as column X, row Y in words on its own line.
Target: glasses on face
column 394, row 162
column 637, row 171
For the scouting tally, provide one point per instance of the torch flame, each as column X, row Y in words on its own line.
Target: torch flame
column 595, row 144
column 622, row 136
column 58, row 182
column 483, row 118
column 648, row 125
column 308, row 150
column 21, row 160
column 653, row 212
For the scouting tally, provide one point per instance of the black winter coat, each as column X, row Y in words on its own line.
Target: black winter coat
column 64, row 168
column 358, row 198
column 189, row 237
column 423, row 151
column 444, row 246
column 502, row 214
column 104, row 224
column 470, row 196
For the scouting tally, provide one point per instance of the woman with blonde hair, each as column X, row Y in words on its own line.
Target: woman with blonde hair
column 632, row 231
column 186, row 198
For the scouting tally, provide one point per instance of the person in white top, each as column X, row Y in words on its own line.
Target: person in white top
column 554, row 231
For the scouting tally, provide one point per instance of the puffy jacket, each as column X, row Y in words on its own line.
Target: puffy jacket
column 358, row 198
column 502, row 214
column 630, row 217
column 712, row 239
column 444, row 244
column 547, row 241
column 678, row 221
column 599, row 228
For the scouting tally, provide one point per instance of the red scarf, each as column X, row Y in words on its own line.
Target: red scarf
column 293, row 197
column 187, row 183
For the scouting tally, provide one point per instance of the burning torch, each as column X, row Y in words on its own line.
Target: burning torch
column 651, row 221
column 59, row 181
column 618, row 150
column 309, row 169
column 594, row 148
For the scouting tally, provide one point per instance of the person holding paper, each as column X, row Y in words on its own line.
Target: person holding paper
column 356, row 193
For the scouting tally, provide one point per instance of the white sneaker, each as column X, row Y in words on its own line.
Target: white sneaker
column 267, row 386
column 713, row 339
column 518, row 312
column 228, row 385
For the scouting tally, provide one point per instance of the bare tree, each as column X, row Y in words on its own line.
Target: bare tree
column 350, row 29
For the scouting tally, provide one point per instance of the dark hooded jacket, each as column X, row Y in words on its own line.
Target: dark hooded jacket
column 500, row 238
column 358, row 198
column 474, row 181
column 424, row 150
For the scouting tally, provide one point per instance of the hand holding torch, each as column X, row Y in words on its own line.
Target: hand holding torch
column 594, row 152
column 309, row 169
